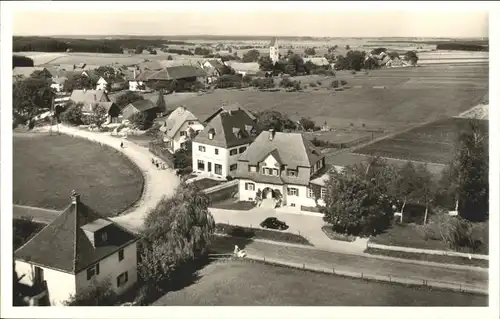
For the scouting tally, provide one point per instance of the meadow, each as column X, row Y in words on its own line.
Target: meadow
column 434, row 142
column 247, row 283
column 47, row 168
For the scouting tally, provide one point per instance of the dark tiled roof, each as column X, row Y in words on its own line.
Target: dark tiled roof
column 143, row 105
column 223, row 123
column 171, row 73
column 219, row 66
column 63, row 244
column 106, row 105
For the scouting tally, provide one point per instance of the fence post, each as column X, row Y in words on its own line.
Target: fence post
column 333, row 270
column 303, row 266
column 460, row 287
column 390, row 280
column 361, row 275
column 264, row 258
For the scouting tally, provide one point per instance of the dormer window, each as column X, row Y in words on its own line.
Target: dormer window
column 211, row 134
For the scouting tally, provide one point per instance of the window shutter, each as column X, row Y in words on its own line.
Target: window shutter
column 297, row 191
column 246, row 186
column 97, row 269
column 88, row 274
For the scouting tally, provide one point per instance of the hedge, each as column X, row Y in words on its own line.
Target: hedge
column 256, row 233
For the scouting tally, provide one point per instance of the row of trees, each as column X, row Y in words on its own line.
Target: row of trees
column 47, row 44
column 361, row 200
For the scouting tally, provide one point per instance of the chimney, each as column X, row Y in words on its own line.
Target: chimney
column 271, row 134
column 75, row 197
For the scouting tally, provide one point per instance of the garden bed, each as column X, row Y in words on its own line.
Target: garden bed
column 256, row 233
column 206, row 183
column 336, row 236
column 429, row 257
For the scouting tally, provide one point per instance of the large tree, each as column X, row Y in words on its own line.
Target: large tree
column 412, row 57
column 466, row 180
column 42, row 74
column 176, row 233
column 30, row 95
column 356, row 201
column 160, row 103
column 78, row 82
column 251, row 56
column 310, row 51
column 275, row 120
column 99, row 116
column 265, row 63
column 128, row 97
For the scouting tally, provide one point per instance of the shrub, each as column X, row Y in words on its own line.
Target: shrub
column 319, row 82
column 101, row 294
column 335, row 84
column 73, row 114
column 330, row 233
column 266, row 83
column 313, row 85
column 461, row 234
column 343, row 82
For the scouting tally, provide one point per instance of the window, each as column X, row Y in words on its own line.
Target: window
column 183, row 145
column 233, row 167
column 190, row 123
column 249, row 186
column 323, row 193
column 292, row 204
column 291, row 172
column 216, row 151
column 293, row 191
column 310, row 193
column 120, row 255
column 242, row 149
column 183, row 133
column 218, row 169
column 92, row 271
column 201, row 165
column 276, row 172
column 201, row 148
column 234, row 151
column 252, row 168
column 122, row 279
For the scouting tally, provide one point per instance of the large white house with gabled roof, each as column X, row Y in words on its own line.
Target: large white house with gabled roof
column 282, row 163
column 76, row 252
column 227, row 134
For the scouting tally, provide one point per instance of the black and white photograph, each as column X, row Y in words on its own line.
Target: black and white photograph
column 167, row 154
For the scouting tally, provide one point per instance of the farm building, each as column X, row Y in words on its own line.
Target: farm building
column 145, row 107
column 112, row 110
column 319, row 61
column 183, row 75
column 214, row 68
column 74, row 253
column 250, row 68
column 178, row 128
column 282, row 166
column 102, row 84
column 89, row 96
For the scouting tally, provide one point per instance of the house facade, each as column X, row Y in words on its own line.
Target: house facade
column 102, row 84
column 282, row 165
column 91, row 98
column 214, row 69
column 227, row 134
column 77, row 251
column 178, row 128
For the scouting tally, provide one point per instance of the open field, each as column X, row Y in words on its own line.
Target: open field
column 434, row 93
column 47, row 168
column 246, row 283
column 433, row 142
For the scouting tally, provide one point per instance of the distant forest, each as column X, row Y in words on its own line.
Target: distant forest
column 47, row 44
column 462, row 47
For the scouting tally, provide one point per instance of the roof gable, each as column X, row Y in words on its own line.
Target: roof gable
column 63, row 244
column 143, row 105
column 175, row 121
column 89, row 96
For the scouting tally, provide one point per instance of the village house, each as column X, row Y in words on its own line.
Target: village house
column 87, row 97
column 227, row 134
column 183, row 75
column 77, row 251
column 214, row 69
column 58, row 83
column 282, row 165
column 319, row 61
column 179, row 127
column 102, row 84
column 145, row 107
column 134, row 84
column 274, row 50
column 244, row 68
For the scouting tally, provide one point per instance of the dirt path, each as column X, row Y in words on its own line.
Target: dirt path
column 157, row 183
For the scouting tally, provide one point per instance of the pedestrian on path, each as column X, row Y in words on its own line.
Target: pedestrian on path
column 121, row 144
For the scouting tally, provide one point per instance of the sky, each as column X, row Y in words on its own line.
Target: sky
column 230, row 20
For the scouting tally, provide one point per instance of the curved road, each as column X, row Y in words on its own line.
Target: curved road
column 157, row 183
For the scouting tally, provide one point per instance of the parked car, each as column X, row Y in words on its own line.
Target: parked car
column 274, row 223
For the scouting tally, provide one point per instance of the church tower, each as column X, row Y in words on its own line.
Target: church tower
column 274, row 51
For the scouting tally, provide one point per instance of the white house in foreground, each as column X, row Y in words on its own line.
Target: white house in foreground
column 282, row 163
column 75, row 252
column 102, row 84
column 178, row 127
column 227, row 134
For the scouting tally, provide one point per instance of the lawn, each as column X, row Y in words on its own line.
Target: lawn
column 232, row 204
column 247, row 283
column 395, row 107
column 47, row 168
column 433, row 142
column 429, row 257
column 260, row 233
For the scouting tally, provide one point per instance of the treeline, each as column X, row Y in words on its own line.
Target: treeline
column 47, row 44
column 23, row 61
column 462, row 47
